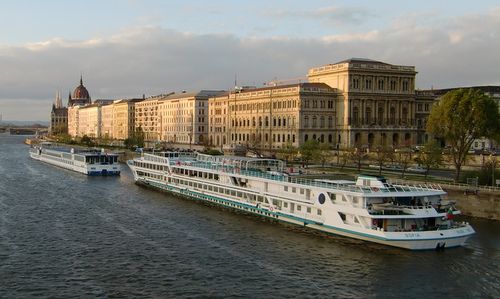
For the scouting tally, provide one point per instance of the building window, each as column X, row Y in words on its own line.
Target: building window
column 306, row 121
column 405, row 115
column 392, row 116
column 380, row 84
column 393, row 85
column 355, row 83
column 368, row 84
column 368, row 115
column 380, row 115
column 355, row 115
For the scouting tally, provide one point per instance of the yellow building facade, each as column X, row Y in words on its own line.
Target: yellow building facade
column 89, row 121
column 272, row 117
column 183, row 117
column 376, row 101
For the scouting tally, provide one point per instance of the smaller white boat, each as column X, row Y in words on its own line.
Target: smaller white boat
column 90, row 161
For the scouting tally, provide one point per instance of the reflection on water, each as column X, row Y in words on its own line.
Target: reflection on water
column 64, row 234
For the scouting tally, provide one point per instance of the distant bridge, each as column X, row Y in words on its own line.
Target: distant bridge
column 23, row 130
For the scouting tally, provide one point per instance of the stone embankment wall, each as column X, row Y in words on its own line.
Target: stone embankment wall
column 483, row 204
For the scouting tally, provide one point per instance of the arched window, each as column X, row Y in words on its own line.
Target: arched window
column 355, row 115
column 392, row 116
column 306, row 137
column 404, row 115
column 380, row 116
column 368, row 115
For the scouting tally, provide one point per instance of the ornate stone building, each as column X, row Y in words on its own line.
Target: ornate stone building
column 271, row 117
column 58, row 117
column 376, row 101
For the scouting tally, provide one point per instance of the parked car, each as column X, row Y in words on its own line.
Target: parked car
column 417, row 169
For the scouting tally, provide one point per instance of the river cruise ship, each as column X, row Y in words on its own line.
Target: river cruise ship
column 370, row 209
column 89, row 161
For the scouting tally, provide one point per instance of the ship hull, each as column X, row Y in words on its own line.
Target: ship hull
column 412, row 241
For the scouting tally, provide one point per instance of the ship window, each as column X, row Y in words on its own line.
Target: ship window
column 299, row 208
column 309, row 210
column 294, row 190
column 342, row 216
column 319, row 212
column 355, row 200
column 285, row 205
column 285, row 188
column 356, row 220
column 301, row 191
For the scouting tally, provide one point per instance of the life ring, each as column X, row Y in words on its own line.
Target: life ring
column 375, row 222
column 375, row 189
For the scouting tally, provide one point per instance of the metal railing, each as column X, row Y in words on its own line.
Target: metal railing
column 459, row 186
column 300, row 181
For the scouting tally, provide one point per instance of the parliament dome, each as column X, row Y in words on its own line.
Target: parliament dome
column 80, row 91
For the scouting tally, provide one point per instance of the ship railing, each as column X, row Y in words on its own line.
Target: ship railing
column 302, row 181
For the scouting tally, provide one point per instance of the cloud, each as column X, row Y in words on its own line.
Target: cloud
column 152, row 60
column 338, row 15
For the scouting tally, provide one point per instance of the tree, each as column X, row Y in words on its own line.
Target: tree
column 430, row 156
column 287, row 152
column 461, row 116
column 382, row 155
column 404, row 156
column 323, row 154
column 356, row 155
column 308, row 150
column 86, row 140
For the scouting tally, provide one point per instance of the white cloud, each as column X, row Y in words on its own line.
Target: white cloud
column 152, row 60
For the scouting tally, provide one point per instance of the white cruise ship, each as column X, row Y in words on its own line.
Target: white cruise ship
column 89, row 162
column 371, row 209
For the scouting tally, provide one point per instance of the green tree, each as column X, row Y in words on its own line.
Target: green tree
column 430, row 156
column 323, row 154
column 287, row 152
column 86, row 140
column 461, row 116
column 308, row 150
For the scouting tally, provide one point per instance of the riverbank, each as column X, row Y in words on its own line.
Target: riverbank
column 482, row 204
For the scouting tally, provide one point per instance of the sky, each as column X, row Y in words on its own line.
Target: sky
column 130, row 48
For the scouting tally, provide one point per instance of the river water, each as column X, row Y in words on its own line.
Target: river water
column 63, row 234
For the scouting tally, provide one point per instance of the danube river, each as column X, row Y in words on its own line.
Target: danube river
column 63, row 234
